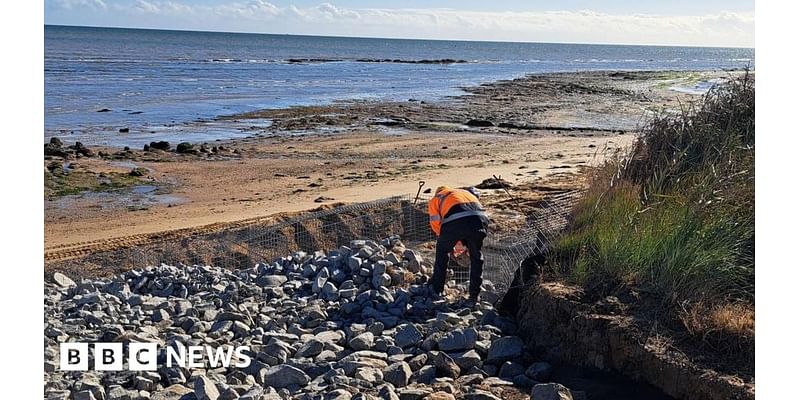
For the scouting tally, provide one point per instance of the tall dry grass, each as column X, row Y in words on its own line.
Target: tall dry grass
column 675, row 216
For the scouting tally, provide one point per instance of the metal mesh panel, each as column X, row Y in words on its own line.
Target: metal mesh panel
column 329, row 229
column 504, row 252
column 242, row 247
column 260, row 242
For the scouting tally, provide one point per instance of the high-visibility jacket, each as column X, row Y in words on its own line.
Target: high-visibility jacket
column 450, row 204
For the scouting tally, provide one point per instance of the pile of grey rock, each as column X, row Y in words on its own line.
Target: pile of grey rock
column 353, row 323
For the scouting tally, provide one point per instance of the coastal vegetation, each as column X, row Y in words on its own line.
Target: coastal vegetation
column 60, row 181
column 673, row 219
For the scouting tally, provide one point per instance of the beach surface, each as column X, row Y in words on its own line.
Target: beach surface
column 536, row 133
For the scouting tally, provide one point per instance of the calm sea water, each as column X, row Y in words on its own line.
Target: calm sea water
column 155, row 82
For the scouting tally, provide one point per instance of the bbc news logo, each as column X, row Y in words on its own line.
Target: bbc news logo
column 144, row 356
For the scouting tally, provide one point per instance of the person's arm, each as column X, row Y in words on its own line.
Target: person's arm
column 433, row 216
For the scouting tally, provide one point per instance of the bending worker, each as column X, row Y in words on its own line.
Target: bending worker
column 457, row 215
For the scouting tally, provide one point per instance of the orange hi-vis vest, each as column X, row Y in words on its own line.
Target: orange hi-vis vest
column 461, row 202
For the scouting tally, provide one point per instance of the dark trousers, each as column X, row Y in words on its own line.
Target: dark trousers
column 470, row 231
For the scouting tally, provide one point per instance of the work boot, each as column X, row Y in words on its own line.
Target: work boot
column 433, row 294
column 471, row 301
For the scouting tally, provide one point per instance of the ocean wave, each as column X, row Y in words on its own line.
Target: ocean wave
column 422, row 61
column 99, row 60
column 225, row 60
column 619, row 60
column 375, row 60
column 341, row 60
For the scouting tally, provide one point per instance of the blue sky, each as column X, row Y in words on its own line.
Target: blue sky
column 675, row 22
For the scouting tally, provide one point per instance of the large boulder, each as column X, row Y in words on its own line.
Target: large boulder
column 205, row 389
column 310, row 348
column 446, row 366
column 364, row 341
column 397, row 374
column 184, row 148
column 539, row 371
column 160, row 145
column 271, row 280
column 173, row 392
column 460, row 339
column 55, row 151
column 282, row 376
column 369, row 374
column 82, row 150
column 550, row 391
column 510, row 369
column 424, row 375
column 334, row 337
column 407, row 335
column 414, row 260
column 467, row 359
column 504, row 349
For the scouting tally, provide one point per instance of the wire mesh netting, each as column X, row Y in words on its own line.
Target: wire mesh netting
column 503, row 252
column 403, row 216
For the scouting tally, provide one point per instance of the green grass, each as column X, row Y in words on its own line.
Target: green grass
column 675, row 216
column 675, row 248
column 75, row 182
column 673, row 78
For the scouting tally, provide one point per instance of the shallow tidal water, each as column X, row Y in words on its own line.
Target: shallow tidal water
column 159, row 83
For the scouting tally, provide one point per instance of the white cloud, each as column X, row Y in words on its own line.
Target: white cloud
column 74, row 4
column 254, row 9
column 146, row 7
column 329, row 11
column 588, row 26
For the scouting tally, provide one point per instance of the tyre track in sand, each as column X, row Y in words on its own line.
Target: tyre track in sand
column 71, row 251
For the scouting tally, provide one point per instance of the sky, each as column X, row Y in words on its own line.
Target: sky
column 728, row 23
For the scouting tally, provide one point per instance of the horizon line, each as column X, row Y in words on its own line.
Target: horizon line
column 392, row 38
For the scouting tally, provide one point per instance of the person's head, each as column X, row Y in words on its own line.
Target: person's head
column 441, row 188
column 475, row 192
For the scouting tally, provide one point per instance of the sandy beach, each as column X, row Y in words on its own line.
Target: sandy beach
column 534, row 132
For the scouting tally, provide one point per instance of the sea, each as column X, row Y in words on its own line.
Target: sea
column 171, row 85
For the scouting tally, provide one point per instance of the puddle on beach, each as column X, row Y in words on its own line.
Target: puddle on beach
column 399, row 130
column 697, row 88
column 123, row 164
column 320, row 130
column 144, row 189
column 133, row 198
column 208, row 131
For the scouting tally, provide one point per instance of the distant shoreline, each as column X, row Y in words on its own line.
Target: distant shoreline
column 383, row 38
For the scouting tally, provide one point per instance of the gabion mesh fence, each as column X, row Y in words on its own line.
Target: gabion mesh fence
column 243, row 247
column 329, row 229
column 504, row 252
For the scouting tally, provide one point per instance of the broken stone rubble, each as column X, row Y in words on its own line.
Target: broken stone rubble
column 335, row 325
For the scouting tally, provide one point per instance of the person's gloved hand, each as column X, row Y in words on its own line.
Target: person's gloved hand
column 459, row 249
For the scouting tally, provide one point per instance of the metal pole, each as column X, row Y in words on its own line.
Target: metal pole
column 421, row 184
column 497, row 179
